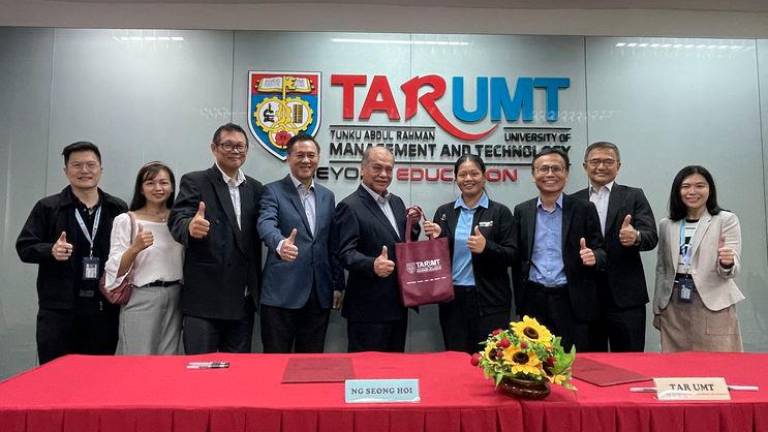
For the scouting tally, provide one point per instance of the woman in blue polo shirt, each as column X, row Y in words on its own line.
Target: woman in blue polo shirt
column 481, row 236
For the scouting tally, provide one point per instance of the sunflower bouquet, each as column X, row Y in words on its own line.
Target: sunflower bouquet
column 525, row 351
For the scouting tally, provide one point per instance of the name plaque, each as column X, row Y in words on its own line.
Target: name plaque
column 381, row 390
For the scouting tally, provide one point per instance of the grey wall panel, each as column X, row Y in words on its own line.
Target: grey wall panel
column 25, row 65
column 759, row 291
column 139, row 100
column 692, row 102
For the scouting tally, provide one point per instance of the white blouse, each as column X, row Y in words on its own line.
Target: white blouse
column 163, row 261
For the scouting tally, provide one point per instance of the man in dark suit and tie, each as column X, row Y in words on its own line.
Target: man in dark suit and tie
column 560, row 246
column 296, row 224
column 215, row 217
column 628, row 226
column 371, row 220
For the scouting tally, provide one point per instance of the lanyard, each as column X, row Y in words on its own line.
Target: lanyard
column 89, row 236
column 685, row 249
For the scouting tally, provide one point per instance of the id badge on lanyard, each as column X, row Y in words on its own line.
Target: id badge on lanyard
column 90, row 263
column 685, row 284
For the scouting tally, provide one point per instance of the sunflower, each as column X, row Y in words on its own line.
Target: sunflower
column 530, row 329
column 558, row 379
column 489, row 346
column 524, row 362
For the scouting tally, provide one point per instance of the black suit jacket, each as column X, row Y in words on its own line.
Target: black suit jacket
column 623, row 275
column 490, row 268
column 580, row 219
column 218, row 267
column 363, row 230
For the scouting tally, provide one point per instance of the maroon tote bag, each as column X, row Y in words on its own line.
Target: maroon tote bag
column 423, row 269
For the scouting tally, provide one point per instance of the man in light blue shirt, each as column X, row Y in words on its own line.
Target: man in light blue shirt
column 560, row 244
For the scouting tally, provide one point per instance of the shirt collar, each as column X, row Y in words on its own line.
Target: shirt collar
column 376, row 197
column 297, row 182
column 76, row 201
column 608, row 186
column 482, row 202
column 239, row 177
column 558, row 203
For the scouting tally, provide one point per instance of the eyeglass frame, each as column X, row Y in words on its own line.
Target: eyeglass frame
column 595, row 162
column 241, row 148
column 554, row 169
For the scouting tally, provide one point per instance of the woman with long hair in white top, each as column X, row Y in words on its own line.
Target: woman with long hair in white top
column 150, row 323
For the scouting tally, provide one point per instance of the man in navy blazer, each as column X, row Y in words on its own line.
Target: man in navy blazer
column 371, row 220
column 296, row 224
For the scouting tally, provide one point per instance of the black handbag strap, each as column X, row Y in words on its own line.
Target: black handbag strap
column 409, row 221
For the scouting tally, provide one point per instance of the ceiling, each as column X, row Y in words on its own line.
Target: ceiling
column 691, row 5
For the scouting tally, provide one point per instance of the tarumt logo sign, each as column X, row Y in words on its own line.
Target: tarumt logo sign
column 425, row 91
column 281, row 105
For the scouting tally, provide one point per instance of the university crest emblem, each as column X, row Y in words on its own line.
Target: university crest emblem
column 281, row 105
column 410, row 267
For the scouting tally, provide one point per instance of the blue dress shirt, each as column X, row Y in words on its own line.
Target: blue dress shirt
column 463, row 274
column 547, row 266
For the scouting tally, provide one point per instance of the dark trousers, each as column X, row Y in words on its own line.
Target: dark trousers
column 206, row 335
column 463, row 324
column 552, row 307
column 84, row 330
column 387, row 336
column 304, row 329
column 617, row 329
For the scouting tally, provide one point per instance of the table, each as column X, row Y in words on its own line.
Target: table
column 136, row 394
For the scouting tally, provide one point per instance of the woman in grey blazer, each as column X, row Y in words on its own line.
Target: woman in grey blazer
column 699, row 255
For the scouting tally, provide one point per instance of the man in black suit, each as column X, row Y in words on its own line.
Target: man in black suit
column 215, row 217
column 371, row 220
column 560, row 246
column 628, row 227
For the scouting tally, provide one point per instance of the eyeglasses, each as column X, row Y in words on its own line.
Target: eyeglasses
column 230, row 147
column 84, row 166
column 594, row 163
column 554, row 169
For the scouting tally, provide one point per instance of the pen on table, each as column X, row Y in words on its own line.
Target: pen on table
column 208, row 365
column 730, row 387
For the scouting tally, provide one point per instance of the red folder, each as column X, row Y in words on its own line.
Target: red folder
column 308, row 370
column 603, row 374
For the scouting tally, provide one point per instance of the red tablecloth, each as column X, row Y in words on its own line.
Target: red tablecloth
column 136, row 394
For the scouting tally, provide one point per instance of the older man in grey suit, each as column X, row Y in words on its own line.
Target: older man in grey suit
column 296, row 223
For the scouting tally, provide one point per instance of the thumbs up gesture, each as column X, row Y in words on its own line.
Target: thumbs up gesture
column 586, row 254
column 61, row 250
column 725, row 254
column 288, row 250
column 199, row 226
column 476, row 241
column 382, row 265
column 627, row 233
column 143, row 239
